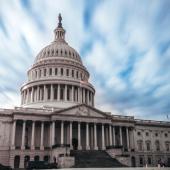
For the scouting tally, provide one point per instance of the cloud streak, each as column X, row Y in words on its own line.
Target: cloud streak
column 124, row 44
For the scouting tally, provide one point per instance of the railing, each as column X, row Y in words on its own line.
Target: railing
column 61, row 145
column 152, row 122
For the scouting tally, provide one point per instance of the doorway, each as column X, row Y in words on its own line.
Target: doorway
column 133, row 161
column 16, row 161
column 75, row 143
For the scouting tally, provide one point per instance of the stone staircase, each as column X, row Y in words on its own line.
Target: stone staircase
column 94, row 159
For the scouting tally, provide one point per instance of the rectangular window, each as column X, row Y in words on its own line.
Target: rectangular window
column 67, row 72
column 72, row 73
column 56, row 71
column 61, row 71
column 50, row 71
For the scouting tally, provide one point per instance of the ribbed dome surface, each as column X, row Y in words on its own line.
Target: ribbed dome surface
column 58, row 49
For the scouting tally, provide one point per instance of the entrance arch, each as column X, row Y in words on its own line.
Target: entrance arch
column 133, row 161
column 26, row 160
column 16, row 161
column 75, row 143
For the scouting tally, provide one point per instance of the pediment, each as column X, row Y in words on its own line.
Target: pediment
column 82, row 111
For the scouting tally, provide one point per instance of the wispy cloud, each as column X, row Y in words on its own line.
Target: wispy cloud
column 124, row 44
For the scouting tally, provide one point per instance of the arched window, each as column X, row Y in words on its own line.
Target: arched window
column 72, row 73
column 67, row 72
column 46, row 158
column 36, row 158
column 16, row 161
column 26, row 160
column 61, row 71
column 50, row 71
column 157, row 145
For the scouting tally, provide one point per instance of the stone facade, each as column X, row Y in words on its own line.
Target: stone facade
column 57, row 114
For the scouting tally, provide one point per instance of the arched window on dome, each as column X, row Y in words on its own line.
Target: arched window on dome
column 73, row 55
column 52, row 52
column 65, row 52
column 50, row 71
column 67, row 72
column 35, row 73
column 61, row 52
column 56, row 52
column 56, row 71
column 72, row 73
column 69, row 53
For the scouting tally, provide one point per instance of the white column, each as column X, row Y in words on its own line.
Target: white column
column 87, row 97
column 65, row 93
column 53, row 134
column 32, row 94
column 95, row 137
column 62, row 132
column 79, row 95
column 13, row 134
column 110, row 135
column 52, row 93
column 127, row 136
column 23, row 135
column 72, row 94
column 79, row 136
column 71, row 135
column 103, row 138
column 84, row 95
column 45, row 93
column 114, row 139
column 87, row 136
column 27, row 95
column 38, row 93
column 58, row 92
column 120, row 135
column 42, row 136
column 33, row 136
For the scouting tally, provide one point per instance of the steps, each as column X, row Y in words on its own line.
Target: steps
column 94, row 159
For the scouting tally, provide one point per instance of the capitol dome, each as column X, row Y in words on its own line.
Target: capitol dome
column 58, row 77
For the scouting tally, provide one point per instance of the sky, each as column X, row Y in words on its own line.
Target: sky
column 125, row 46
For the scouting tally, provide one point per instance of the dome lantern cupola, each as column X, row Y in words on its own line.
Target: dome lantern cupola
column 59, row 31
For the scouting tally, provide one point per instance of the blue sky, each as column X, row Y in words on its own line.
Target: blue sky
column 125, row 45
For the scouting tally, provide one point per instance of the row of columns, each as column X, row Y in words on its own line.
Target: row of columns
column 41, row 93
column 32, row 135
column 112, row 140
column 111, row 135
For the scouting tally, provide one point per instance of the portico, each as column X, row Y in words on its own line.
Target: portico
column 80, row 130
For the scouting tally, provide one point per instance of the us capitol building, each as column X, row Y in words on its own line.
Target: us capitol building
column 58, row 115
